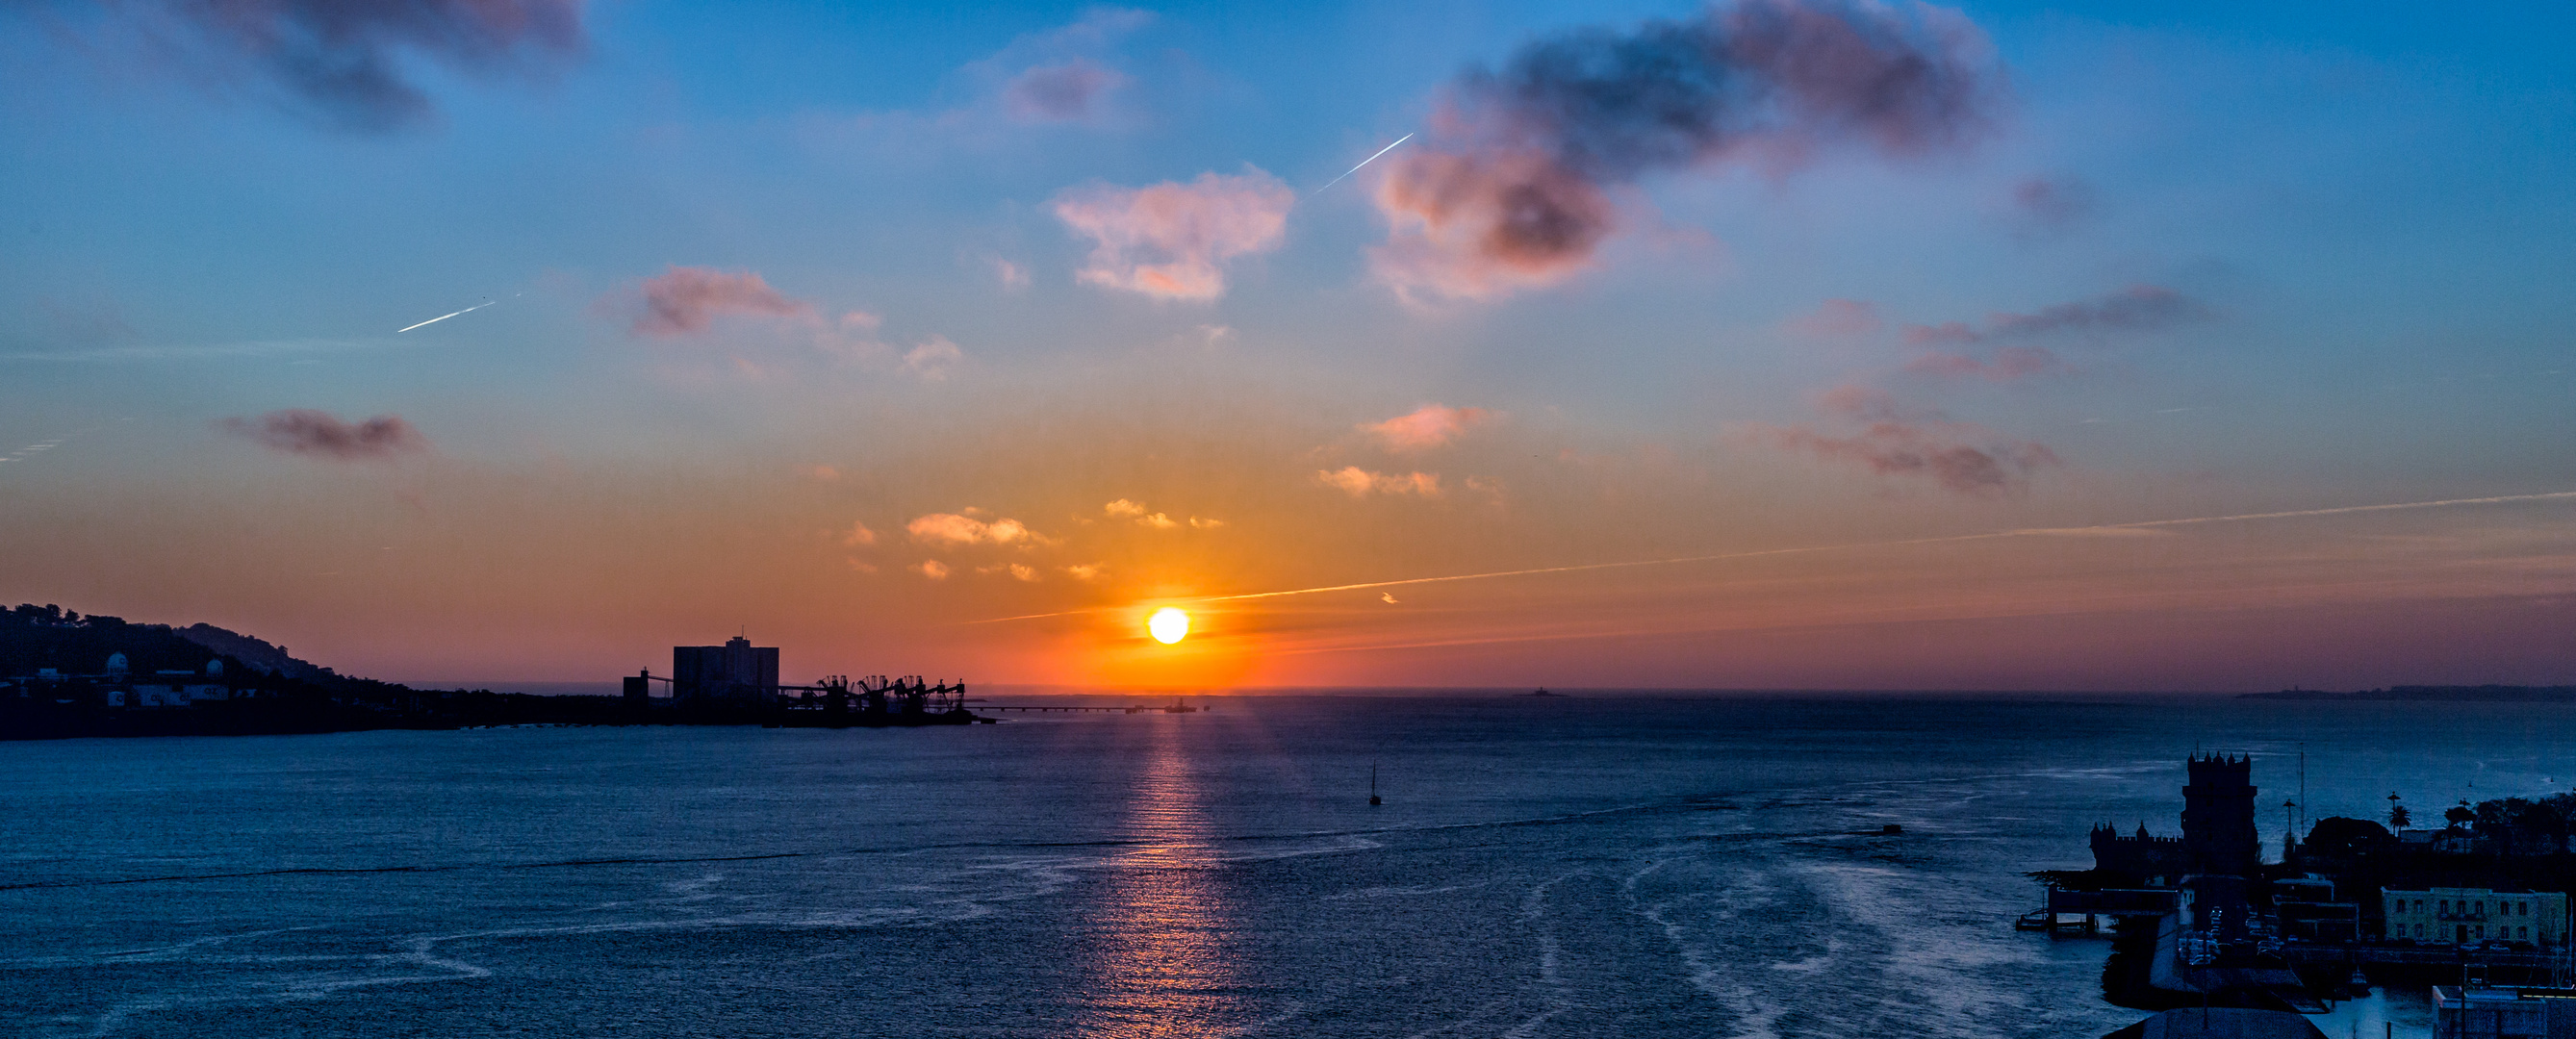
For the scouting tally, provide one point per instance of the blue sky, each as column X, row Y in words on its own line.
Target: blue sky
column 2361, row 211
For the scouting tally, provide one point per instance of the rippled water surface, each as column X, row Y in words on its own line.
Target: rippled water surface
column 1542, row 867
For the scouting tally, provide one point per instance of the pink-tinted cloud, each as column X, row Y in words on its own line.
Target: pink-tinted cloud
column 1172, row 240
column 1892, row 441
column 1480, row 224
column 932, row 358
column 1428, row 426
column 1073, row 91
column 343, row 61
column 319, row 434
column 687, row 300
column 931, row 568
column 2138, row 308
column 1837, row 319
column 1360, row 483
column 2053, row 203
column 1012, row 276
column 1513, row 188
column 859, row 534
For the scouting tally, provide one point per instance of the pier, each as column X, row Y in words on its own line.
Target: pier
column 1175, row 707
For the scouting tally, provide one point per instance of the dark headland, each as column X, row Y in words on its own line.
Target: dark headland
column 2435, row 694
column 63, row 675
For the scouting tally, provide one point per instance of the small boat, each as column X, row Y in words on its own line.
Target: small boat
column 1373, row 801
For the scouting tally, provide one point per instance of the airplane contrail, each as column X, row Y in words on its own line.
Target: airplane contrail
column 443, row 317
column 1363, row 162
column 2022, row 532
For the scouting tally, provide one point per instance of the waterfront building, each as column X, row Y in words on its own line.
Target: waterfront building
column 2148, row 859
column 736, row 672
column 2503, row 1013
column 2473, row 914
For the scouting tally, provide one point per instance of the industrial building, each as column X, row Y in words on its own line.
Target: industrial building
column 734, row 674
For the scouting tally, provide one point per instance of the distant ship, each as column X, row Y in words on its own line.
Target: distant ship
column 1542, row 691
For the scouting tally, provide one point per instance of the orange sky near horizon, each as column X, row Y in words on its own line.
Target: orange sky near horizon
column 859, row 328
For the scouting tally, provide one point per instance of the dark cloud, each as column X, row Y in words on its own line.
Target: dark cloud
column 1512, row 188
column 1069, row 92
column 304, row 431
column 1889, row 440
column 2053, row 203
column 683, row 300
column 343, row 60
column 2138, row 308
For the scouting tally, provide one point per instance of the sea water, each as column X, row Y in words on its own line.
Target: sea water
column 1580, row 866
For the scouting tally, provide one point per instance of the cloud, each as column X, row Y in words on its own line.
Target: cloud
column 931, row 568
column 1201, row 523
column 1428, row 426
column 824, row 473
column 346, row 63
column 2053, row 203
column 860, row 565
column 1837, row 319
column 303, row 431
column 687, row 300
column 859, row 534
column 1128, row 510
column 1171, row 240
column 1086, row 571
column 1012, row 276
column 1065, row 92
column 1961, row 457
column 1018, row 571
column 1481, row 226
column 1360, row 483
column 1513, row 188
column 951, row 529
column 932, row 358
column 2138, row 308
column 1387, row 597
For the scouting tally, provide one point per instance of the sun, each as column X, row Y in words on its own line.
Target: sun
column 1168, row 625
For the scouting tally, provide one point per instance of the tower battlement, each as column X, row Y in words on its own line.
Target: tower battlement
column 2218, row 815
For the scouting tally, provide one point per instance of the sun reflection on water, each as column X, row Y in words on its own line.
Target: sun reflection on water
column 1162, row 941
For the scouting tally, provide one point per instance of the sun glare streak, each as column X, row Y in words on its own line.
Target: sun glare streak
column 2019, row 532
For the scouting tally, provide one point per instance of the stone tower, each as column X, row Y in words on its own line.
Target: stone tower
column 2218, row 816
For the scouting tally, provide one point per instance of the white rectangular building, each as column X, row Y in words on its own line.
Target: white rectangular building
column 2475, row 914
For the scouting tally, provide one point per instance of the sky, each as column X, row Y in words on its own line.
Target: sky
column 1776, row 344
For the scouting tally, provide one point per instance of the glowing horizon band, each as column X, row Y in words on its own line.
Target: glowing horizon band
column 2020, row 532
